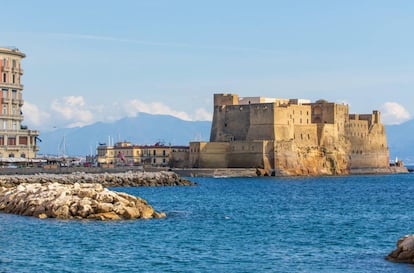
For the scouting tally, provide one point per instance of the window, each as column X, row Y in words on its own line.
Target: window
column 4, row 62
column 23, row 156
column 4, row 124
column 154, row 153
column 4, row 111
column 14, row 125
column 13, row 63
column 14, row 110
column 11, row 141
column 1, row 140
column 163, row 153
column 14, row 94
column 5, row 91
column 13, row 78
column 4, row 77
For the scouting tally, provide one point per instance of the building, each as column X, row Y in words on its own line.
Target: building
column 290, row 137
column 16, row 140
column 157, row 155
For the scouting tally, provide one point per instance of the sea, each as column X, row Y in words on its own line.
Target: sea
column 260, row 224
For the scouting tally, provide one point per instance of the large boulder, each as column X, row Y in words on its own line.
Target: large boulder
column 73, row 201
column 404, row 253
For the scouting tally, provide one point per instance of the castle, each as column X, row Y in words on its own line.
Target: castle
column 290, row 137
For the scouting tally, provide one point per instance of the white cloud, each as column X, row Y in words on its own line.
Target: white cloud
column 33, row 116
column 394, row 113
column 73, row 111
column 203, row 114
column 156, row 108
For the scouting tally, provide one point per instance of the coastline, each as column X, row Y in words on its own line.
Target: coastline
column 182, row 172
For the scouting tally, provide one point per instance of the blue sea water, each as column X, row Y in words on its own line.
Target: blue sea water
column 323, row 224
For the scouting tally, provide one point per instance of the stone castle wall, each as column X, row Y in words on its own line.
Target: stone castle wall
column 291, row 137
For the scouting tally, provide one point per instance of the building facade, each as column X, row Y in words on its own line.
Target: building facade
column 16, row 140
column 157, row 155
column 290, row 137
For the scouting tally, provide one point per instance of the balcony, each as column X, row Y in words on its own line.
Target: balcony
column 17, row 101
column 11, row 85
column 17, row 70
column 5, row 100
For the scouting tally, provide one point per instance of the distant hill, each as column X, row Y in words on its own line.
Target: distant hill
column 143, row 129
column 401, row 141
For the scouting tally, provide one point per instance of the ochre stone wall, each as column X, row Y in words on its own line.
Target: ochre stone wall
column 291, row 137
column 209, row 154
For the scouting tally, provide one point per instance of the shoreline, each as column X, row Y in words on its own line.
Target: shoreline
column 182, row 172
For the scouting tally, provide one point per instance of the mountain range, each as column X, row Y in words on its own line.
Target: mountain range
column 144, row 129
column 150, row 129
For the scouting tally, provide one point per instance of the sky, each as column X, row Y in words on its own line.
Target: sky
column 90, row 61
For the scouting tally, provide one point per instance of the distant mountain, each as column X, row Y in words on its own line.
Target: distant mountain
column 143, row 129
column 401, row 141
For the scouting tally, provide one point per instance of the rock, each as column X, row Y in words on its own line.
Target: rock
column 127, row 179
column 404, row 253
column 73, row 201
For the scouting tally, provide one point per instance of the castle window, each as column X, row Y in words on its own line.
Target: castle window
column 300, row 121
column 301, row 136
column 308, row 136
column 4, row 77
column 13, row 78
column 307, row 121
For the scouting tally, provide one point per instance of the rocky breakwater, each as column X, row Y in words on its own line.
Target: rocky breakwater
column 404, row 253
column 73, row 201
column 127, row 179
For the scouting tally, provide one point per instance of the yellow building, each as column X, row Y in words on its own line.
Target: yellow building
column 16, row 140
column 158, row 155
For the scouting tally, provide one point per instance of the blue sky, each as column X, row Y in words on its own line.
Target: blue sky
column 91, row 61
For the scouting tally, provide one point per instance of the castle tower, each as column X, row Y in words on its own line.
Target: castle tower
column 15, row 138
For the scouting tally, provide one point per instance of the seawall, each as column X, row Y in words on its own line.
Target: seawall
column 216, row 172
column 387, row 170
